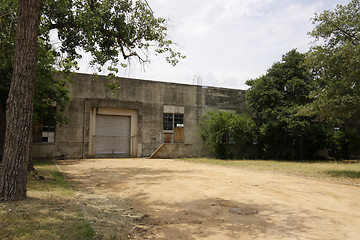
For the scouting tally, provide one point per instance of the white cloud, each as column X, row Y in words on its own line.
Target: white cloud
column 229, row 42
column 195, row 28
column 235, row 9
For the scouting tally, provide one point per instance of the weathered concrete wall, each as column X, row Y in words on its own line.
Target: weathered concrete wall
column 148, row 98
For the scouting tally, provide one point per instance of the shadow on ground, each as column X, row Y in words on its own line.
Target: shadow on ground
column 204, row 218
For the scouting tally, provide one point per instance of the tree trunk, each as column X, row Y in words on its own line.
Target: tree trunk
column 19, row 109
column 30, row 165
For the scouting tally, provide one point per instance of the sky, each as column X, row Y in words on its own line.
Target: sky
column 227, row 42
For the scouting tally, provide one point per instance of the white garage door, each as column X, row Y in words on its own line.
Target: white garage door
column 112, row 136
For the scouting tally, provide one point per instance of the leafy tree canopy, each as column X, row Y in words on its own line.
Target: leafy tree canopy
column 335, row 60
column 50, row 91
column 111, row 30
column 278, row 95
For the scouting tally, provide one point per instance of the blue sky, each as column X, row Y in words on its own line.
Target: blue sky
column 229, row 41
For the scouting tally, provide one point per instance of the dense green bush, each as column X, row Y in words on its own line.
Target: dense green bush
column 215, row 128
column 243, row 130
column 272, row 140
column 275, row 143
column 344, row 143
column 316, row 137
column 219, row 129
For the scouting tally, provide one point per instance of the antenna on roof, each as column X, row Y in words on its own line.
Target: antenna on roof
column 197, row 80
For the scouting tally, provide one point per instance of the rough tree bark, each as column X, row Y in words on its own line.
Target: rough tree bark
column 19, row 110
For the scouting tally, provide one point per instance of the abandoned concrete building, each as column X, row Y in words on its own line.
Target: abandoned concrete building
column 141, row 119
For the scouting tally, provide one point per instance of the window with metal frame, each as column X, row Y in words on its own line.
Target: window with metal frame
column 168, row 121
column 48, row 134
column 172, row 120
column 45, row 134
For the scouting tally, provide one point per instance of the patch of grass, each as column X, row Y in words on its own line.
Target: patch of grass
column 83, row 230
column 55, row 182
column 344, row 174
column 49, row 212
column 335, row 171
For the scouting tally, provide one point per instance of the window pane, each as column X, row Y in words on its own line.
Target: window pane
column 168, row 121
column 48, row 134
column 179, row 120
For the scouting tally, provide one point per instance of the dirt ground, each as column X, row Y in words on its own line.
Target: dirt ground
column 180, row 200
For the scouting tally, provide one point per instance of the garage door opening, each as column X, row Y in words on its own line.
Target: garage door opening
column 112, row 136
